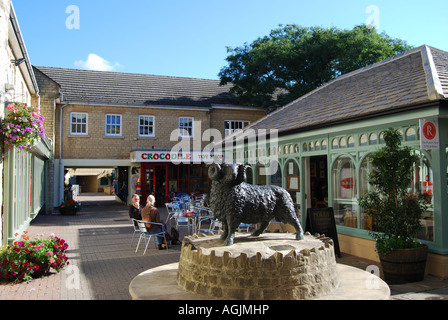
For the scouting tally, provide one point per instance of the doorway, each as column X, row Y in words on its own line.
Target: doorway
column 154, row 181
column 318, row 183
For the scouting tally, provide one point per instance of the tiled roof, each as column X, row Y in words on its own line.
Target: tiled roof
column 417, row 76
column 137, row 89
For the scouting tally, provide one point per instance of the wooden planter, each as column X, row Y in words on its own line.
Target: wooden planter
column 44, row 268
column 404, row 265
column 67, row 211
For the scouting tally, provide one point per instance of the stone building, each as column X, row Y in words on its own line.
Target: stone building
column 127, row 122
column 23, row 191
column 324, row 139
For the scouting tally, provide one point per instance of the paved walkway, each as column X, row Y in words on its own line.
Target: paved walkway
column 103, row 262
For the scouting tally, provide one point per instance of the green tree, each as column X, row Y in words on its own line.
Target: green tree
column 396, row 213
column 292, row 61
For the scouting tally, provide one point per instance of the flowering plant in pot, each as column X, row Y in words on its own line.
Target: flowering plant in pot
column 29, row 258
column 22, row 126
column 396, row 214
column 69, row 207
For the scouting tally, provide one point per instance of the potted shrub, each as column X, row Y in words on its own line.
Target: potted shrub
column 29, row 258
column 396, row 213
column 69, row 207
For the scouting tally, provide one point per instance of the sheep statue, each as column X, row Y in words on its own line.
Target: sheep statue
column 233, row 201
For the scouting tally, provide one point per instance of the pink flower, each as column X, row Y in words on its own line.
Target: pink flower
column 52, row 260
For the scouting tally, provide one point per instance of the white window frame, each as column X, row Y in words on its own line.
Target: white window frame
column 140, row 126
column 228, row 132
column 183, row 128
column 79, row 123
column 120, row 125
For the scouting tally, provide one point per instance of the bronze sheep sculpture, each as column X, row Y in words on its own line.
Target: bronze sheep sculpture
column 233, row 201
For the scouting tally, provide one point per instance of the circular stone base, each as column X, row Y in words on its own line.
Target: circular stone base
column 161, row 284
column 273, row 266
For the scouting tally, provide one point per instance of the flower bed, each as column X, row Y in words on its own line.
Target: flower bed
column 23, row 260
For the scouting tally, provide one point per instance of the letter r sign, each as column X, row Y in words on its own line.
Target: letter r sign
column 429, row 139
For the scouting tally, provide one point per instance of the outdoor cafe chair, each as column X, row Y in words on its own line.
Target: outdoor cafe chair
column 146, row 236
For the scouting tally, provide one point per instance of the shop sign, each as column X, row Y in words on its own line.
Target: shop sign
column 347, row 183
column 429, row 139
column 175, row 156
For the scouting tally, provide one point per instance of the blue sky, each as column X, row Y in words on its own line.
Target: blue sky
column 188, row 38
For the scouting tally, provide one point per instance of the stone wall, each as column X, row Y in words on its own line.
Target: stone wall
column 293, row 274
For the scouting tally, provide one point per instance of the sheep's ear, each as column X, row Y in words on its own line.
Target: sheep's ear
column 241, row 177
column 214, row 172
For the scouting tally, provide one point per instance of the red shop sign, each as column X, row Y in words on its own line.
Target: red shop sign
column 347, row 183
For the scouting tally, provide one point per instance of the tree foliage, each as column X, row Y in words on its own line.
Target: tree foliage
column 292, row 61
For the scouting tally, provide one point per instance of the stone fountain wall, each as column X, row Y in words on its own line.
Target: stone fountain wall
column 304, row 270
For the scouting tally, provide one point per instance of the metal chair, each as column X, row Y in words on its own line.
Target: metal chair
column 136, row 229
column 146, row 236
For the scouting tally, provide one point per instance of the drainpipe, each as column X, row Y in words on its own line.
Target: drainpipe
column 61, row 168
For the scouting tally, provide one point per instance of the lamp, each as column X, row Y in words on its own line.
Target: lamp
column 18, row 62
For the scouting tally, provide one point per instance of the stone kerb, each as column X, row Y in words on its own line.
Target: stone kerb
column 270, row 267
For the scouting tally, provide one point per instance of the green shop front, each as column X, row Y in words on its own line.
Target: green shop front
column 325, row 137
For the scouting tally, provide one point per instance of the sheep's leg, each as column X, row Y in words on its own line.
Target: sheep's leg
column 260, row 230
column 296, row 224
column 232, row 226
column 225, row 230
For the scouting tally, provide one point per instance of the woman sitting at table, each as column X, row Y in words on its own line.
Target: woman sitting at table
column 151, row 214
column 134, row 208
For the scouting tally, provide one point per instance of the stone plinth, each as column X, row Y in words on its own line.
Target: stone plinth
column 270, row 267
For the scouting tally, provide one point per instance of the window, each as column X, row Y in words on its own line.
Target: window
column 146, row 126
column 230, row 126
column 186, row 127
column 78, row 123
column 113, row 125
column 345, row 200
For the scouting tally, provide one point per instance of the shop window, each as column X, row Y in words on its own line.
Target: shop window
column 276, row 177
column 365, row 186
column 400, row 132
column 411, row 134
column 311, row 146
column 113, row 124
column 373, row 139
column 423, row 180
column 345, row 202
column 249, row 175
column 146, row 126
column 78, row 123
column 351, row 142
column 292, row 182
column 186, row 127
column 324, row 144
column 382, row 141
column 260, row 172
column 335, row 144
column 363, row 140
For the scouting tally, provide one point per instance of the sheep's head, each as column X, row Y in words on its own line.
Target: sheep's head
column 234, row 173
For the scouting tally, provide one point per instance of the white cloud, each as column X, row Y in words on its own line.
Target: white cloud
column 95, row 62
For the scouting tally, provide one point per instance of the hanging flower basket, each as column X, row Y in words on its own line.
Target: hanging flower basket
column 22, row 126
